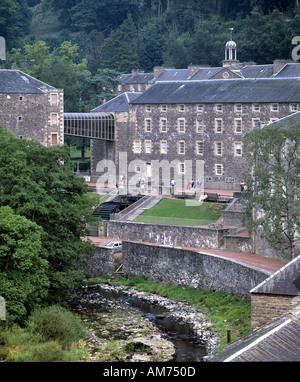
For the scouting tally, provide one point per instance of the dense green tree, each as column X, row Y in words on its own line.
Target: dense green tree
column 38, row 183
column 15, row 17
column 273, row 153
column 150, row 47
column 24, row 281
column 119, row 50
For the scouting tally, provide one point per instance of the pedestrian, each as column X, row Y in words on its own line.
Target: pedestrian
column 242, row 184
column 188, row 185
column 193, row 183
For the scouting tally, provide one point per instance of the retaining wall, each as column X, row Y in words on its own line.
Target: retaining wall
column 176, row 266
column 201, row 237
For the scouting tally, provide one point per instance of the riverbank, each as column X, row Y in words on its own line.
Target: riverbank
column 140, row 333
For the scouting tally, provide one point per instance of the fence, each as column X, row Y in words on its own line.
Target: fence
column 171, row 221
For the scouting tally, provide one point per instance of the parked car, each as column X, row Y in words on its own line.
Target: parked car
column 115, row 245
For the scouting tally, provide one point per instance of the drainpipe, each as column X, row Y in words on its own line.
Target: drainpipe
column 228, row 336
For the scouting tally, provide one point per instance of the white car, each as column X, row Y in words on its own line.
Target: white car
column 115, row 245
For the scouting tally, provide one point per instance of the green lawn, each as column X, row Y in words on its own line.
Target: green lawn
column 172, row 211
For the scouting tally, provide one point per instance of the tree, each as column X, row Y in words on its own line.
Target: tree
column 38, row 183
column 273, row 152
column 61, row 68
column 23, row 271
column 119, row 50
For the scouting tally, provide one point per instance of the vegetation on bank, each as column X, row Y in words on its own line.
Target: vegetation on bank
column 52, row 334
column 225, row 311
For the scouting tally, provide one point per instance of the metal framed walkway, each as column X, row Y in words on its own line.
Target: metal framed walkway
column 90, row 125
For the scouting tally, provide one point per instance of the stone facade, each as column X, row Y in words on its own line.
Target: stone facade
column 266, row 307
column 31, row 109
column 213, row 133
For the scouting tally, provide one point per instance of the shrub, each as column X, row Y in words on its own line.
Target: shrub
column 45, row 352
column 56, row 323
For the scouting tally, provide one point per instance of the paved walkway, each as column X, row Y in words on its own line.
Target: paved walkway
column 245, row 258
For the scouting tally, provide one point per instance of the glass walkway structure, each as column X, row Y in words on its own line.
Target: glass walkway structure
column 90, row 125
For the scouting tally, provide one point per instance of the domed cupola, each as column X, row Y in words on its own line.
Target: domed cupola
column 231, row 53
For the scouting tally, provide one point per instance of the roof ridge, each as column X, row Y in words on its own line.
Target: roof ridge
column 275, row 274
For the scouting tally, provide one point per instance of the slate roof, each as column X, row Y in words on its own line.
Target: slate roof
column 257, row 71
column 119, row 103
column 232, row 90
column 173, row 75
column 279, row 340
column 15, row 81
column 137, row 78
column 205, row 73
column 289, row 70
column 286, row 281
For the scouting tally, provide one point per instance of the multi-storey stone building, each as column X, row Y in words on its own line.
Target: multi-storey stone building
column 31, row 109
column 199, row 114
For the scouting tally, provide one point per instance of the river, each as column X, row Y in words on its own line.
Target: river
column 127, row 325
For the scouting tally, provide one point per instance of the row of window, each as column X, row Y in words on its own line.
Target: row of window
column 181, row 147
column 54, row 118
column 181, row 169
column 53, row 98
column 181, row 125
column 238, row 108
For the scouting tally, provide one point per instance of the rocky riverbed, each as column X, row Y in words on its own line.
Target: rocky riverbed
column 121, row 325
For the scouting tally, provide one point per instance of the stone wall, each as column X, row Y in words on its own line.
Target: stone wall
column 265, row 307
column 34, row 116
column 104, row 262
column 175, row 266
column 198, row 237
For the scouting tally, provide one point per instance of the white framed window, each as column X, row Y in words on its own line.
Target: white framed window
column 181, row 147
column 218, row 148
column 219, row 107
column 148, row 108
column 148, row 125
column 137, row 168
column 199, row 126
column 256, row 123
column 137, row 146
column 163, row 125
column 54, row 118
column 238, row 149
column 163, row 108
column 53, row 98
column 238, row 108
column 199, row 147
column 54, row 139
column 181, row 125
column 274, row 107
column 181, row 108
column 181, row 168
column 293, row 107
column 219, row 169
column 256, row 107
column 163, row 147
column 218, row 125
column 238, row 125
column 200, row 108
column 148, row 146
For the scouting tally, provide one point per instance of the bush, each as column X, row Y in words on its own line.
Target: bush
column 45, row 352
column 56, row 323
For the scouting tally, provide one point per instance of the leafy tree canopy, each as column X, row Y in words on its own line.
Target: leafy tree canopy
column 274, row 184
column 38, row 184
